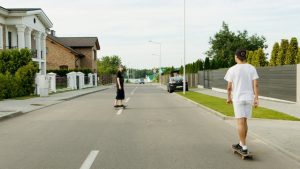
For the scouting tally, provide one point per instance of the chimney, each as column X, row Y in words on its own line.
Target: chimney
column 53, row 32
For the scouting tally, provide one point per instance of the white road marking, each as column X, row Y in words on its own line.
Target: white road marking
column 133, row 91
column 127, row 100
column 120, row 112
column 89, row 160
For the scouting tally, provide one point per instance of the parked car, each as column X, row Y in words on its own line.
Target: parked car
column 142, row 81
column 176, row 83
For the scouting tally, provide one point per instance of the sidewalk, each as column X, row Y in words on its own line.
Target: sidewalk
column 287, row 108
column 279, row 134
column 11, row 107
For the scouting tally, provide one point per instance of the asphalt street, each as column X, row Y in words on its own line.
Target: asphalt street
column 157, row 130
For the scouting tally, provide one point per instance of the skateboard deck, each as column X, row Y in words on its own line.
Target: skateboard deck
column 243, row 156
column 117, row 108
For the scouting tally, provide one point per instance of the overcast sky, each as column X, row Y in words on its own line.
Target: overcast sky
column 124, row 27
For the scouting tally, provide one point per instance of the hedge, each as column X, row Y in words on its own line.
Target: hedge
column 64, row 72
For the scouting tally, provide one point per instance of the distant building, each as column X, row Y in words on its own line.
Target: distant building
column 25, row 28
column 72, row 52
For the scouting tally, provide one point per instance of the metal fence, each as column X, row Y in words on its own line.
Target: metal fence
column 61, row 82
column 86, row 80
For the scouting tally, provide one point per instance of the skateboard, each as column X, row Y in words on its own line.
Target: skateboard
column 117, row 108
column 243, row 156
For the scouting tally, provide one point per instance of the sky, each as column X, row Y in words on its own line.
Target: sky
column 125, row 27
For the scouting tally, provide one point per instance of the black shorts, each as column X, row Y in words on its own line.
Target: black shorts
column 120, row 94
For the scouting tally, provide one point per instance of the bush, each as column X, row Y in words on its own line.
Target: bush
column 64, row 72
column 17, row 73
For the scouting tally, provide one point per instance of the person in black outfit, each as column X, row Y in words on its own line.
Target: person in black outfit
column 120, row 88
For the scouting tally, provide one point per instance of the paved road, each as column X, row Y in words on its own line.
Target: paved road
column 157, row 131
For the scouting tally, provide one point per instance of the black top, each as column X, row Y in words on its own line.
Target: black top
column 120, row 76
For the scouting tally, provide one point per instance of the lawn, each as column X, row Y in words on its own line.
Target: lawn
column 219, row 104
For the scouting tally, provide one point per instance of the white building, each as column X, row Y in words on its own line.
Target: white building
column 25, row 28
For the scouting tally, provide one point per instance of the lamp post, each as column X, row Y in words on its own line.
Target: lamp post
column 158, row 43
column 184, row 45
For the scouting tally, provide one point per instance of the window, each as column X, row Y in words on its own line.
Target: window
column 1, row 37
column 63, row 67
column 9, row 45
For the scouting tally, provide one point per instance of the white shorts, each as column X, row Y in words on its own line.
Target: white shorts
column 243, row 109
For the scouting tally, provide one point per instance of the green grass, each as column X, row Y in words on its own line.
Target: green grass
column 219, row 105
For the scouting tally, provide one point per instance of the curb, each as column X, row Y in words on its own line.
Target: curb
column 223, row 117
column 19, row 113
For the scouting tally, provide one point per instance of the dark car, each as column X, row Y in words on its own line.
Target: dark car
column 176, row 83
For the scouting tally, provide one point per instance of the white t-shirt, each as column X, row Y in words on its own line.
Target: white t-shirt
column 242, row 76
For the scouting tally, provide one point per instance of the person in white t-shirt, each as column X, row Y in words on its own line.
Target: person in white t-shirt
column 242, row 90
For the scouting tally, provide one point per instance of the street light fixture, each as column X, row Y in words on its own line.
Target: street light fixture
column 158, row 43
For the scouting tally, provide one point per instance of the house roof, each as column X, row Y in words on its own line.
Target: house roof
column 80, row 41
column 57, row 40
column 25, row 12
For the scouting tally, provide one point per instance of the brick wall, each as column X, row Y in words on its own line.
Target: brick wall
column 59, row 55
column 88, row 61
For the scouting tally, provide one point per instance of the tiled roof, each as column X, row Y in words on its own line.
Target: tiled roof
column 80, row 41
column 57, row 40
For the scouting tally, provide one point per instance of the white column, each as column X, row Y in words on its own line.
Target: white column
column 21, row 36
column 37, row 37
column 43, row 44
column 1, row 37
column 28, row 38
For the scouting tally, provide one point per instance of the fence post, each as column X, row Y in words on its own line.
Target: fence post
column 298, row 84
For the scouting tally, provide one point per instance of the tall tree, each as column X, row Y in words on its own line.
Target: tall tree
column 249, row 56
column 298, row 56
column 255, row 59
column 108, row 65
column 262, row 60
column 282, row 52
column 291, row 55
column 225, row 42
column 206, row 64
column 274, row 55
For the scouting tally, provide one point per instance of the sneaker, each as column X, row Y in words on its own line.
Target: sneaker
column 244, row 151
column 237, row 146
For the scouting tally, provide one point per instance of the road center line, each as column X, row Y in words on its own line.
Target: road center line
column 133, row 91
column 89, row 160
column 120, row 112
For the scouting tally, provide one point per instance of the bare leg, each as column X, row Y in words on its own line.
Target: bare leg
column 242, row 129
column 116, row 102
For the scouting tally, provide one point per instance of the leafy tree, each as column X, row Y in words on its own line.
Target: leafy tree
column 261, row 57
column 249, row 56
column 298, row 56
column 255, row 59
column 206, row 64
column 291, row 55
column 274, row 54
column 225, row 42
column 282, row 52
column 108, row 65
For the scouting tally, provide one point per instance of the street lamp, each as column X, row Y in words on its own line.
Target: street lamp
column 184, row 45
column 158, row 43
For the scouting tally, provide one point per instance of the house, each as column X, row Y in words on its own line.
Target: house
column 72, row 52
column 25, row 28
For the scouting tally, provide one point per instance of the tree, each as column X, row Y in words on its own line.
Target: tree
column 225, row 42
column 291, row 54
column 108, row 65
column 262, row 60
column 249, row 56
column 255, row 59
column 274, row 54
column 298, row 56
column 282, row 52
column 206, row 64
